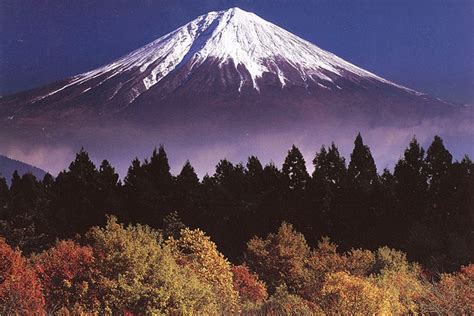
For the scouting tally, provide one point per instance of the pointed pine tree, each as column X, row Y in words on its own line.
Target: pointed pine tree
column 77, row 203
column 411, row 185
column 110, row 189
column 253, row 193
column 411, row 182
column 297, row 179
column 187, row 196
column 329, row 171
column 360, row 200
column 254, row 168
column 273, row 200
column 158, row 172
column 439, row 212
column 362, row 172
column 294, row 169
column 438, row 162
column 187, row 178
column 136, row 190
column 327, row 183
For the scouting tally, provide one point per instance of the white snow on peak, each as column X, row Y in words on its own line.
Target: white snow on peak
column 244, row 37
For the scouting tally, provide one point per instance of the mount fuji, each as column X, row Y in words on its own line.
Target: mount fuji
column 228, row 81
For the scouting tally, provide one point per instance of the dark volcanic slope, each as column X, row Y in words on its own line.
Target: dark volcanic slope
column 219, row 58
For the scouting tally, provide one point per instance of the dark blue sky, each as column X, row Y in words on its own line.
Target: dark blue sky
column 426, row 45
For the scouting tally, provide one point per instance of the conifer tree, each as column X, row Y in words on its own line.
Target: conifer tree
column 360, row 199
column 110, row 188
column 441, row 208
column 187, row 195
column 149, row 189
column 411, row 180
column 27, row 223
column 15, row 179
column 4, row 197
column 253, row 195
column 226, row 201
column 294, row 169
column 187, row 178
column 327, row 184
column 411, row 185
column 160, row 196
column 330, row 166
column 82, row 168
column 77, row 196
column 134, row 174
column 254, row 167
column 108, row 178
column 388, row 225
column 458, row 213
column 272, row 204
column 136, row 188
column 26, row 193
column 48, row 186
column 362, row 172
column 15, row 191
column 438, row 161
column 159, row 170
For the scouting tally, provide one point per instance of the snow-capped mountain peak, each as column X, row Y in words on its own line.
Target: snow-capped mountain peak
column 226, row 82
column 253, row 45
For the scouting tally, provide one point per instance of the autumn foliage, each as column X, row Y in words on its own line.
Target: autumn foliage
column 118, row 269
column 453, row 294
column 135, row 271
column 20, row 288
column 250, row 288
column 66, row 274
column 196, row 251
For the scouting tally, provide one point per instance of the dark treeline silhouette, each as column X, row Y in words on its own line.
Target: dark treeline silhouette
column 425, row 207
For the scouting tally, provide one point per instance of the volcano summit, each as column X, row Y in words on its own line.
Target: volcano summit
column 218, row 79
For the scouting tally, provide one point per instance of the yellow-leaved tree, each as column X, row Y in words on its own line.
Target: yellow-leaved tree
column 281, row 258
column 137, row 273
column 399, row 279
column 346, row 294
column 196, row 251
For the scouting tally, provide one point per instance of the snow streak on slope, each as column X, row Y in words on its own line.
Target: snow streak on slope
column 246, row 39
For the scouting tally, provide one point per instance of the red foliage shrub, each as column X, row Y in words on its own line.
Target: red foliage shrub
column 20, row 289
column 66, row 273
column 248, row 285
column 468, row 271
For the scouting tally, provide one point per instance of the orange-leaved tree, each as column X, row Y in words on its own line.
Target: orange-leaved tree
column 250, row 288
column 20, row 288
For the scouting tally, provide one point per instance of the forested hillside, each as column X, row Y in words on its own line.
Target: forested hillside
column 73, row 256
column 8, row 166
